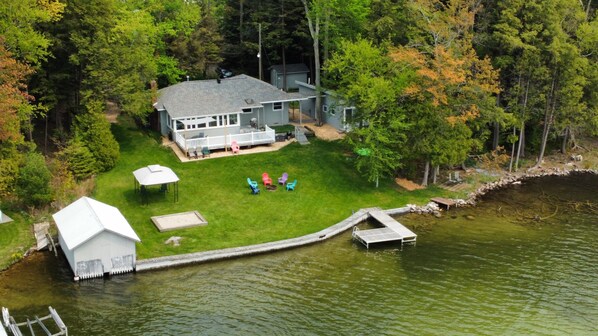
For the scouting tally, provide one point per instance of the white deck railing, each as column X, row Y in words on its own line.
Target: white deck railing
column 217, row 142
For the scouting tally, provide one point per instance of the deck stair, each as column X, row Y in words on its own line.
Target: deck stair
column 392, row 230
column 300, row 135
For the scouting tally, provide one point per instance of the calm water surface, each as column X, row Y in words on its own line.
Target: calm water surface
column 523, row 262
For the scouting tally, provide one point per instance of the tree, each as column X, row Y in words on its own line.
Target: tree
column 33, row 184
column 18, row 25
column 365, row 76
column 14, row 110
column 452, row 94
column 94, row 131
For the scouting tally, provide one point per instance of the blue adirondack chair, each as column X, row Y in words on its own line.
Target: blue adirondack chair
column 251, row 183
column 254, row 190
column 291, row 186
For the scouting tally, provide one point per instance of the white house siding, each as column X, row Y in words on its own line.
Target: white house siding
column 70, row 255
column 105, row 246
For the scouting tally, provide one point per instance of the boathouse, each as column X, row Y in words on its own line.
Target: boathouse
column 96, row 239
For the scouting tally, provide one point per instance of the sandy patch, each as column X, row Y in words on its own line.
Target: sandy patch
column 408, row 185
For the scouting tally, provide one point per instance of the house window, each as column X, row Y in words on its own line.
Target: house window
column 213, row 123
column 179, row 125
column 233, row 119
column 325, row 108
column 277, row 106
column 246, row 110
column 222, row 120
column 202, row 125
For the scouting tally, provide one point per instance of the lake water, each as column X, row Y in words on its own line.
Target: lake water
column 523, row 262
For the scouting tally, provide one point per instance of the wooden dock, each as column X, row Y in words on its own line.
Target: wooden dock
column 392, row 231
column 443, row 202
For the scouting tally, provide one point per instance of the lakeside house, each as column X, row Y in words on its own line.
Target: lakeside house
column 336, row 111
column 296, row 72
column 213, row 113
column 96, row 239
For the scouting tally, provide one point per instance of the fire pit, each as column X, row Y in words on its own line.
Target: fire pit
column 271, row 187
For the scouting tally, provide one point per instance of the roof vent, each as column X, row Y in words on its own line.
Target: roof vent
column 249, row 101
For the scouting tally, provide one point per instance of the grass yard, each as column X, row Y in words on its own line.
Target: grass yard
column 328, row 189
column 15, row 239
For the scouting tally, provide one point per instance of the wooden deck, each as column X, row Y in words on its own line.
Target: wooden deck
column 443, row 202
column 392, row 231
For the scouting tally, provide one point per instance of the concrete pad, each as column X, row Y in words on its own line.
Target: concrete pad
column 179, row 221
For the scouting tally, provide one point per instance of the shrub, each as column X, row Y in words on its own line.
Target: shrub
column 94, row 130
column 79, row 159
column 33, row 183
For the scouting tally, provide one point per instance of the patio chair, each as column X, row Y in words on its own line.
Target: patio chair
column 266, row 179
column 283, row 179
column 254, row 189
column 291, row 186
column 251, row 183
column 234, row 146
column 192, row 153
column 205, row 152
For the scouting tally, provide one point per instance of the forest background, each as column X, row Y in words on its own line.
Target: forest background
column 434, row 82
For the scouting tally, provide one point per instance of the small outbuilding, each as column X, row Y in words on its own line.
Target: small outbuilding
column 289, row 72
column 96, row 239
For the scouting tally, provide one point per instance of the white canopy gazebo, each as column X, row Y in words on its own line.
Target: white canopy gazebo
column 156, row 175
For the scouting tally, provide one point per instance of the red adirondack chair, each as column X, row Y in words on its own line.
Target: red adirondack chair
column 266, row 179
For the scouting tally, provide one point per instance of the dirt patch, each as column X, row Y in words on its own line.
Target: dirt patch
column 408, row 185
column 112, row 112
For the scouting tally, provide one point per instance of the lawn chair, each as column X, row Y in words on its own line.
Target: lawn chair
column 266, row 179
column 205, row 151
column 251, row 183
column 254, row 189
column 291, row 186
column 192, row 153
column 283, row 179
column 234, row 146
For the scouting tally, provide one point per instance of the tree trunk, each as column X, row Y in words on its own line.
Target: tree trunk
column 548, row 116
column 435, row 174
column 314, row 30
column 521, row 147
column 426, row 173
column 512, row 152
column 565, row 141
column 241, row 2
column 496, row 135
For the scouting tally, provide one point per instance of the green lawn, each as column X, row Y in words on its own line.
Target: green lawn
column 328, row 190
column 15, row 239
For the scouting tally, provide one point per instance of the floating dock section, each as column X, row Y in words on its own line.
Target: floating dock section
column 36, row 324
column 392, row 230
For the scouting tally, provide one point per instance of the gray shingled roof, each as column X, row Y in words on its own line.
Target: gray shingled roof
column 207, row 97
column 291, row 68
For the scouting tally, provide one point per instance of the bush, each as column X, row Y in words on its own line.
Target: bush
column 33, row 183
column 79, row 159
column 94, row 130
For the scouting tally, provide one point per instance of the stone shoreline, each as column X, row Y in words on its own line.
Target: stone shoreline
column 516, row 179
